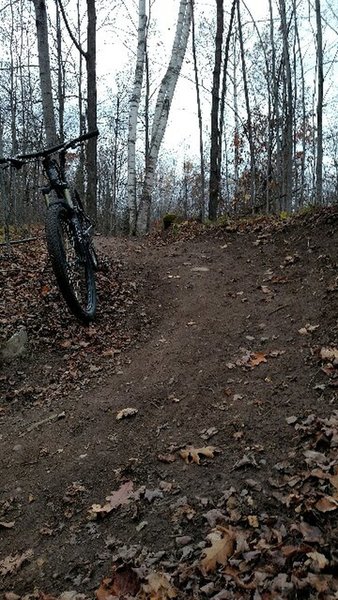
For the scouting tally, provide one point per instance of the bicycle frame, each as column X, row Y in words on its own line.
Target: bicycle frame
column 68, row 230
column 57, row 182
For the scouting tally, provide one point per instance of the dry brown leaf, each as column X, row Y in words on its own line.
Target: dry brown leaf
column 327, row 504
column 158, row 587
column 166, row 458
column 183, row 512
column 192, row 455
column 310, row 533
column 319, row 582
column 266, row 290
column 222, row 546
column 319, row 561
column 7, row 524
column 330, row 354
column 334, row 482
column 122, row 496
column 126, row 412
column 13, row 563
column 256, row 358
column 307, row 329
column 290, row 551
column 253, row 521
column 124, row 581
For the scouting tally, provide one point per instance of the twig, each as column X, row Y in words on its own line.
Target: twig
column 55, row 417
column 279, row 308
column 23, row 241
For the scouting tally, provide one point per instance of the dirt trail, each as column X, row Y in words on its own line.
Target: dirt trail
column 223, row 365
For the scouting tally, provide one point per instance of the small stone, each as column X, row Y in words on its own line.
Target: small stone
column 16, row 345
column 72, row 595
column 183, row 540
column 17, row 447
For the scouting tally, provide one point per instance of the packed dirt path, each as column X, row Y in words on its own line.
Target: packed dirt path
column 228, row 332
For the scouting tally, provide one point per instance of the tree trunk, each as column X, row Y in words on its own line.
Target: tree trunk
column 112, row 228
column 288, row 115
column 214, row 181
column 200, row 122
column 248, row 110
column 162, row 108
column 61, row 79
column 133, row 115
column 274, row 171
column 91, row 110
column 319, row 163
column 44, row 68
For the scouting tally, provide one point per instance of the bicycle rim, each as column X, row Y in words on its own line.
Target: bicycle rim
column 71, row 262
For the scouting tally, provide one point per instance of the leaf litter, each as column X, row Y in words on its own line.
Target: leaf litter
column 286, row 551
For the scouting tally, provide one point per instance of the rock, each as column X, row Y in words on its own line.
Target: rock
column 183, row 540
column 16, row 345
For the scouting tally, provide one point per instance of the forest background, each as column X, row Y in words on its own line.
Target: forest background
column 205, row 109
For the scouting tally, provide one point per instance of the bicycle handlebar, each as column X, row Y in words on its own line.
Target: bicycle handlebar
column 19, row 160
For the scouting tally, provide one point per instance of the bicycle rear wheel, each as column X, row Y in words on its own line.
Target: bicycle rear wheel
column 71, row 263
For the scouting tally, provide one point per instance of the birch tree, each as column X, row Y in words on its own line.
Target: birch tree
column 133, row 115
column 162, row 108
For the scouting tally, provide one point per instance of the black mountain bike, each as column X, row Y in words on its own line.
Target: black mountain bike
column 69, row 230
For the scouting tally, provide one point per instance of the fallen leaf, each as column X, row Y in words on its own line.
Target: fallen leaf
column 122, row 496
column 256, row 358
column 185, row 511
column 126, row 412
column 7, row 525
column 158, row 587
column 266, row 290
column 330, row 354
column 11, row 563
column 65, row 344
column 310, row 533
column 245, row 461
column 253, row 521
column 291, row 420
column 319, row 582
column 150, row 495
column 192, row 455
column 166, row 458
column 307, row 329
column 124, row 581
column 206, row 434
column 327, row 504
column 290, row 260
column 222, row 546
column 319, row 561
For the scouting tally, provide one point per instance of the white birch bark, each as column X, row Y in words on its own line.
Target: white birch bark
column 162, row 108
column 133, row 115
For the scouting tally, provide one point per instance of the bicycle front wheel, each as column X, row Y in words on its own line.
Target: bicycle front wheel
column 71, row 263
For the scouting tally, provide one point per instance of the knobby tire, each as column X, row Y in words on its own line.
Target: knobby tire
column 67, row 260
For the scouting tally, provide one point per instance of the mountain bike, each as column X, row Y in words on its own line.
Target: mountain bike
column 68, row 229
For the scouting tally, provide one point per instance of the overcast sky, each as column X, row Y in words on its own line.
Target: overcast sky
column 116, row 50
